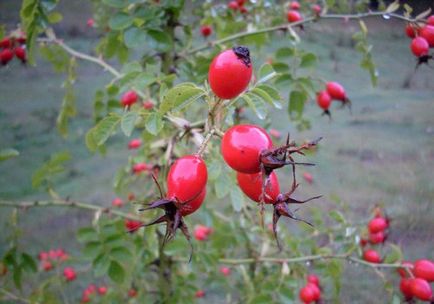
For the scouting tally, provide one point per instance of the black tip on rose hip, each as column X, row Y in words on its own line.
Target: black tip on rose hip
column 242, row 53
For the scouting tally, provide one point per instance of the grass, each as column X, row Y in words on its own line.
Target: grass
column 382, row 153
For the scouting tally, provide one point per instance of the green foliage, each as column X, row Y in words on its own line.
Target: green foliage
column 8, row 153
column 45, row 174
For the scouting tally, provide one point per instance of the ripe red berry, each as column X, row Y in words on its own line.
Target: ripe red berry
column 90, row 22
column 117, row 202
column 241, row 2
column 411, row 30
column 206, row 30
column 294, row 5
column 202, row 232
column 134, row 143
column 377, row 238
column 22, row 38
column 47, row 266
column 20, row 53
column 309, row 293
column 419, row 46
column 316, row 9
column 243, row 10
column 200, row 294
column 5, row 43
column 69, row 274
column 402, row 271
column 427, row 32
column 293, row 16
column 102, row 290
column 129, row 98
column 275, row 133
column 230, row 72
column 148, row 105
column 336, row 91
column 314, row 279
column 131, row 196
column 430, row 20
column 308, row 177
column 141, row 167
column 421, row 289
column 424, row 269
column 371, row 256
column 405, row 287
column 132, row 293
column 377, row 224
column 43, row 256
column 363, row 242
column 251, row 185
column 323, row 100
column 226, row 271
column 242, row 145
column 132, row 225
column 6, row 55
column 233, row 5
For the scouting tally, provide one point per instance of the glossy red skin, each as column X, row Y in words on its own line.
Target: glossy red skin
column 323, row 100
column 308, row 294
column 202, row 232
column 294, row 5
column 134, row 143
column 312, row 278
column 402, row 272
column 243, row 10
column 191, row 206
column 206, row 30
column 251, row 185
column 228, row 75
column 233, row 5
column 47, row 266
column 69, row 274
column 132, row 225
column 424, row 269
column 317, row 292
column 21, row 39
column 405, row 287
column 427, row 32
column 140, row 167
column 336, row 91
column 371, row 256
column 6, row 55
column 293, row 16
column 242, row 145
column 421, row 289
column 129, row 98
column 187, row 179
column 430, row 20
column 5, row 43
column 316, row 9
column 20, row 53
column 410, row 31
column 377, row 224
column 377, row 238
column 419, row 46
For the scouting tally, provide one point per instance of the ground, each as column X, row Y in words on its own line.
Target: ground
column 381, row 154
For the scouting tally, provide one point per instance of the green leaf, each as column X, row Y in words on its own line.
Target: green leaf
column 52, row 167
column 92, row 249
column 180, row 97
column 160, row 41
column 237, row 199
column 297, row 100
column 308, row 60
column 394, row 6
column 337, row 216
column 120, row 21
column 8, row 153
column 394, row 255
column 265, row 97
column 285, row 53
column 68, row 109
column 255, row 104
column 135, row 37
column 116, row 272
column 121, row 254
column 101, row 264
column 266, row 72
column 222, row 185
column 154, row 123
column 87, row 234
column 128, row 122
column 28, row 263
column 115, row 3
column 54, row 17
column 102, row 131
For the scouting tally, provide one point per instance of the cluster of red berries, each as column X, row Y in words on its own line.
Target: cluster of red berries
column 377, row 231
column 131, row 97
column 51, row 258
column 11, row 46
column 92, row 290
column 311, row 292
column 201, row 232
column 294, row 14
column 333, row 91
column 423, row 39
column 416, row 279
column 238, row 5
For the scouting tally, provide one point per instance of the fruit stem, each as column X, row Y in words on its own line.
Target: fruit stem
column 205, row 142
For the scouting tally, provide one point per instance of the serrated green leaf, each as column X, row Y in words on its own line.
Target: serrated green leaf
column 255, row 104
column 154, row 123
column 8, row 153
column 68, row 109
column 128, row 122
column 120, row 21
column 265, row 97
column 180, row 97
column 266, row 72
column 222, row 185
column 52, row 167
column 135, row 37
column 92, row 249
column 159, row 40
column 308, row 60
column 102, row 131
column 116, row 272
column 101, row 264
column 297, row 100
column 394, row 255
column 28, row 263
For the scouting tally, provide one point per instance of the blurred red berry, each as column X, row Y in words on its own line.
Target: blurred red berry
column 371, row 256
column 20, row 53
column 377, row 238
column 402, row 271
column 430, row 20
column 69, row 274
column 90, row 22
column 132, row 225
column 140, row 167
column 47, row 266
column 200, row 294
column 308, row 177
column 275, row 133
column 102, row 290
column 427, row 32
column 313, row 278
column 202, row 232
column 233, row 5
column 293, row 16
column 206, row 30
column 226, row 271
column 129, row 98
column 134, row 143
column 148, row 105
column 117, row 202
column 411, row 30
column 405, row 287
column 316, row 9
column 294, row 5
column 421, row 289
column 424, row 269
column 6, row 55
column 419, row 47
column 132, row 293
column 5, row 43
column 377, row 224
column 131, row 196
